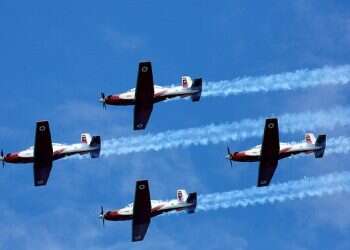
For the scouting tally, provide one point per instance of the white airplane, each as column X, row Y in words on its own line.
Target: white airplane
column 272, row 150
column 143, row 209
column 147, row 93
column 44, row 152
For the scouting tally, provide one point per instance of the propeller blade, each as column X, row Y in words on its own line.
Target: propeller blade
column 2, row 158
column 102, row 217
column 229, row 155
column 103, row 100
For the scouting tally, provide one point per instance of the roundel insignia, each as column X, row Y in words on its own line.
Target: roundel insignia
column 142, row 187
column 140, row 125
column 271, row 125
column 144, row 69
column 42, row 128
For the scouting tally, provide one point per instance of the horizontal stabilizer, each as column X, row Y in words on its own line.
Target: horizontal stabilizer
column 192, row 199
column 95, row 142
column 197, row 85
column 321, row 144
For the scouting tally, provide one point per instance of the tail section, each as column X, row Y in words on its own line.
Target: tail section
column 181, row 195
column 96, row 143
column 321, row 145
column 192, row 199
column 85, row 138
column 186, row 82
column 310, row 138
column 197, row 85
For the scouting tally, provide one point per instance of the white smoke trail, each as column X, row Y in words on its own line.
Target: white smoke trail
column 300, row 79
column 218, row 133
column 301, row 189
column 338, row 145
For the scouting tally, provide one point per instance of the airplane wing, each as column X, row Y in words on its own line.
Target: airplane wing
column 43, row 153
column 269, row 152
column 141, row 211
column 144, row 96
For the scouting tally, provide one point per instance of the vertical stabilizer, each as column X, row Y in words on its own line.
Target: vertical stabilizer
column 85, row 138
column 186, row 82
column 310, row 138
column 181, row 195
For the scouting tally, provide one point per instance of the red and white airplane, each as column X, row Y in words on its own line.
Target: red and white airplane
column 44, row 152
column 143, row 209
column 272, row 150
column 146, row 94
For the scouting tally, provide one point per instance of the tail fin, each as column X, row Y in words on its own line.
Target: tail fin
column 310, row 138
column 181, row 195
column 197, row 85
column 186, row 82
column 85, row 138
column 192, row 199
column 321, row 144
column 95, row 142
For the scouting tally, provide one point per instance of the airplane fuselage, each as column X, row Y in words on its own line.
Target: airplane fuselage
column 160, row 94
column 157, row 208
column 286, row 150
column 59, row 151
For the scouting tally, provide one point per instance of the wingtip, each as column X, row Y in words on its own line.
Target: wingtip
column 42, row 122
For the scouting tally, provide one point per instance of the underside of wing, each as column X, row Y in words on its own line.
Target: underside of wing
column 43, row 153
column 141, row 211
column 269, row 152
column 141, row 116
column 144, row 96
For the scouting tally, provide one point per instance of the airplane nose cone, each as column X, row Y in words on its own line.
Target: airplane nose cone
column 229, row 157
column 102, row 100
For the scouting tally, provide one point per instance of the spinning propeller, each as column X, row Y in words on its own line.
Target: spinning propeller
column 228, row 156
column 102, row 216
column 103, row 100
column 2, row 158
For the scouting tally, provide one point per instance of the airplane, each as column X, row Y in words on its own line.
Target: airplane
column 272, row 150
column 44, row 152
column 143, row 209
column 147, row 93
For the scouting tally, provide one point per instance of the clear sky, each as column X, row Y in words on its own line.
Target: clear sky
column 56, row 58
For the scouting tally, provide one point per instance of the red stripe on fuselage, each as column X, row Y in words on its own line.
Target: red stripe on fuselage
column 16, row 159
column 243, row 157
column 116, row 216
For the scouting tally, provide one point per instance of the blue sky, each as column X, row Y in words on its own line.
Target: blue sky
column 57, row 57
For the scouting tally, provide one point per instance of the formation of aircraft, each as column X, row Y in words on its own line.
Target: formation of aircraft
column 44, row 152
column 143, row 209
column 147, row 93
column 271, row 150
